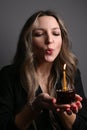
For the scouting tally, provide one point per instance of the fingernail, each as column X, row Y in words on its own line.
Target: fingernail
column 57, row 109
column 78, row 104
column 53, row 100
column 69, row 112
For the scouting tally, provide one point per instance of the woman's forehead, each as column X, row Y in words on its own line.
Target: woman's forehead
column 45, row 21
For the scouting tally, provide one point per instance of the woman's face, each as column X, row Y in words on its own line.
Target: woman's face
column 46, row 39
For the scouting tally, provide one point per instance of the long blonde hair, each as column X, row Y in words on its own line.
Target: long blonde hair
column 25, row 62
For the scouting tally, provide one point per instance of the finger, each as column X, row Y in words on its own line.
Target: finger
column 57, row 109
column 74, row 108
column 45, row 97
column 62, row 107
column 69, row 112
column 53, row 100
column 78, row 97
column 79, row 105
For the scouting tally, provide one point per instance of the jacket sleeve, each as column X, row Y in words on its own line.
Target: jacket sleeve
column 81, row 118
column 6, row 102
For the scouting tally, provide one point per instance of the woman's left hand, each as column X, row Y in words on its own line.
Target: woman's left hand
column 75, row 106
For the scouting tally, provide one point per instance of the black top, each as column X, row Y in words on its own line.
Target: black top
column 13, row 97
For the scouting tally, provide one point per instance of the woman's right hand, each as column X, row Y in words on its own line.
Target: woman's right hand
column 45, row 101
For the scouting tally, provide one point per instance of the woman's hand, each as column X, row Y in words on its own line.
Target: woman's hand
column 73, row 107
column 68, row 115
column 45, row 101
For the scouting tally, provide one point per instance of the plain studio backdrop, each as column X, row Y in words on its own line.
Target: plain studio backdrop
column 14, row 13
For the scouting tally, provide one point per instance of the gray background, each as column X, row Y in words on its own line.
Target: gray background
column 14, row 13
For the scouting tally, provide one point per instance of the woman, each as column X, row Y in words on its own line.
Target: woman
column 28, row 86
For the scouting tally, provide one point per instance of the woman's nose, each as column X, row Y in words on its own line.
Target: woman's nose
column 49, row 39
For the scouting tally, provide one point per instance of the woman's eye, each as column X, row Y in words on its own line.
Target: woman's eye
column 37, row 34
column 56, row 34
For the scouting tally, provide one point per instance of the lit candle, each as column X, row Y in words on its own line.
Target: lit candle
column 64, row 78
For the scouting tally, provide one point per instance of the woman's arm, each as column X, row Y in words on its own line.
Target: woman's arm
column 14, row 115
column 25, row 117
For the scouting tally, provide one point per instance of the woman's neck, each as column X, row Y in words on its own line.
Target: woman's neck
column 44, row 69
column 43, row 72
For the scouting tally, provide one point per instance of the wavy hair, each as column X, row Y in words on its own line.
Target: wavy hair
column 26, row 64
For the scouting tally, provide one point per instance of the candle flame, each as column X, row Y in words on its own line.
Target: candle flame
column 64, row 67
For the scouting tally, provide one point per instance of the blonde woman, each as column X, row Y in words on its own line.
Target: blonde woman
column 28, row 86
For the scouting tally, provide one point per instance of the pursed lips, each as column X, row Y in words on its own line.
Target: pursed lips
column 49, row 51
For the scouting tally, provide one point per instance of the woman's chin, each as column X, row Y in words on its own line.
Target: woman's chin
column 49, row 60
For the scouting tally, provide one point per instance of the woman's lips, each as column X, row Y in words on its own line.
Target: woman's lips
column 49, row 51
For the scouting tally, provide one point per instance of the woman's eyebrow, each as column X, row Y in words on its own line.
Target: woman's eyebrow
column 54, row 28
column 35, row 29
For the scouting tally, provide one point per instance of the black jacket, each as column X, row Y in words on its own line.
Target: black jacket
column 13, row 97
